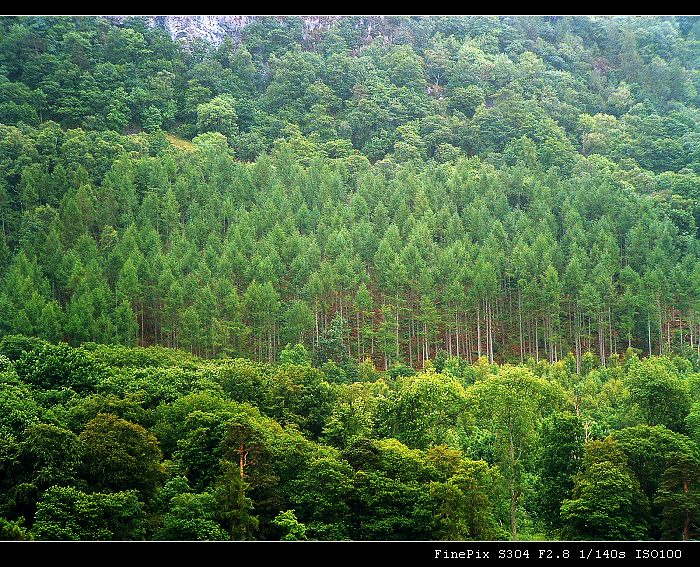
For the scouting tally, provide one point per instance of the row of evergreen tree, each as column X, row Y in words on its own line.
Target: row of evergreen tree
column 505, row 187
column 188, row 248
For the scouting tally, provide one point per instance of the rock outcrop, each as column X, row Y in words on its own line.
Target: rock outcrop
column 214, row 29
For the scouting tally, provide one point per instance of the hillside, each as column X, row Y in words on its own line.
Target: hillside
column 308, row 233
column 468, row 189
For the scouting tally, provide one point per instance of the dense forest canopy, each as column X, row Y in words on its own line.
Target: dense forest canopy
column 439, row 281
column 499, row 187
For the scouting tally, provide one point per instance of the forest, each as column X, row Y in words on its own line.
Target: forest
column 438, row 280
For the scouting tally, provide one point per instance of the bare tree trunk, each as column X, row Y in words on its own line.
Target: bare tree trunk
column 470, row 340
column 520, row 324
column 489, row 331
column 457, row 329
column 577, row 325
column 610, row 339
column 448, row 340
column 492, row 320
column 601, row 340
column 426, row 349
column 410, row 340
column 478, row 328
column 661, row 331
column 397, row 324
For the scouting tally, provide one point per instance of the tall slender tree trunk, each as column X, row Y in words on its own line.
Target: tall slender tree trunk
column 426, row 347
column 489, row 331
column 410, row 340
column 357, row 330
column 610, row 336
column 457, row 329
column 601, row 340
column 577, row 327
column 661, row 331
column 470, row 341
column 316, row 321
column 448, row 339
column 397, row 324
column 478, row 328
column 520, row 325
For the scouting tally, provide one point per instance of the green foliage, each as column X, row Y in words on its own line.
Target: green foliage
column 52, row 455
column 662, row 396
column 321, row 495
column 561, row 452
column 650, row 451
column 296, row 354
column 218, row 115
column 607, row 501
column 12, row 346
column 331, row 346
column 385, row 508
column 465, row 503
column 290, row 527
column 510, row 404
column 430, row 410
column 59, row 366
column 233, row 506
column 235, row 473
column 64, row 513
column 299, row 394
column 18, row 409
column 120, row 455
column 679, row 497
column 14, row 531
column 413, row 206
column 191, row 517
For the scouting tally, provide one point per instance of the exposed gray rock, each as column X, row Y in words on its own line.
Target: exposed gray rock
column 214, row 29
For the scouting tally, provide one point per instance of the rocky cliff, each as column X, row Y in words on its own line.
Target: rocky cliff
column 214, row 29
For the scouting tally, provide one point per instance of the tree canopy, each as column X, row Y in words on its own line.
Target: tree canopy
column 376, row 278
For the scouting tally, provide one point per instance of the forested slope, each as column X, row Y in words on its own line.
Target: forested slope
column 109, row 442
column 508, row 188
column 508, row 206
